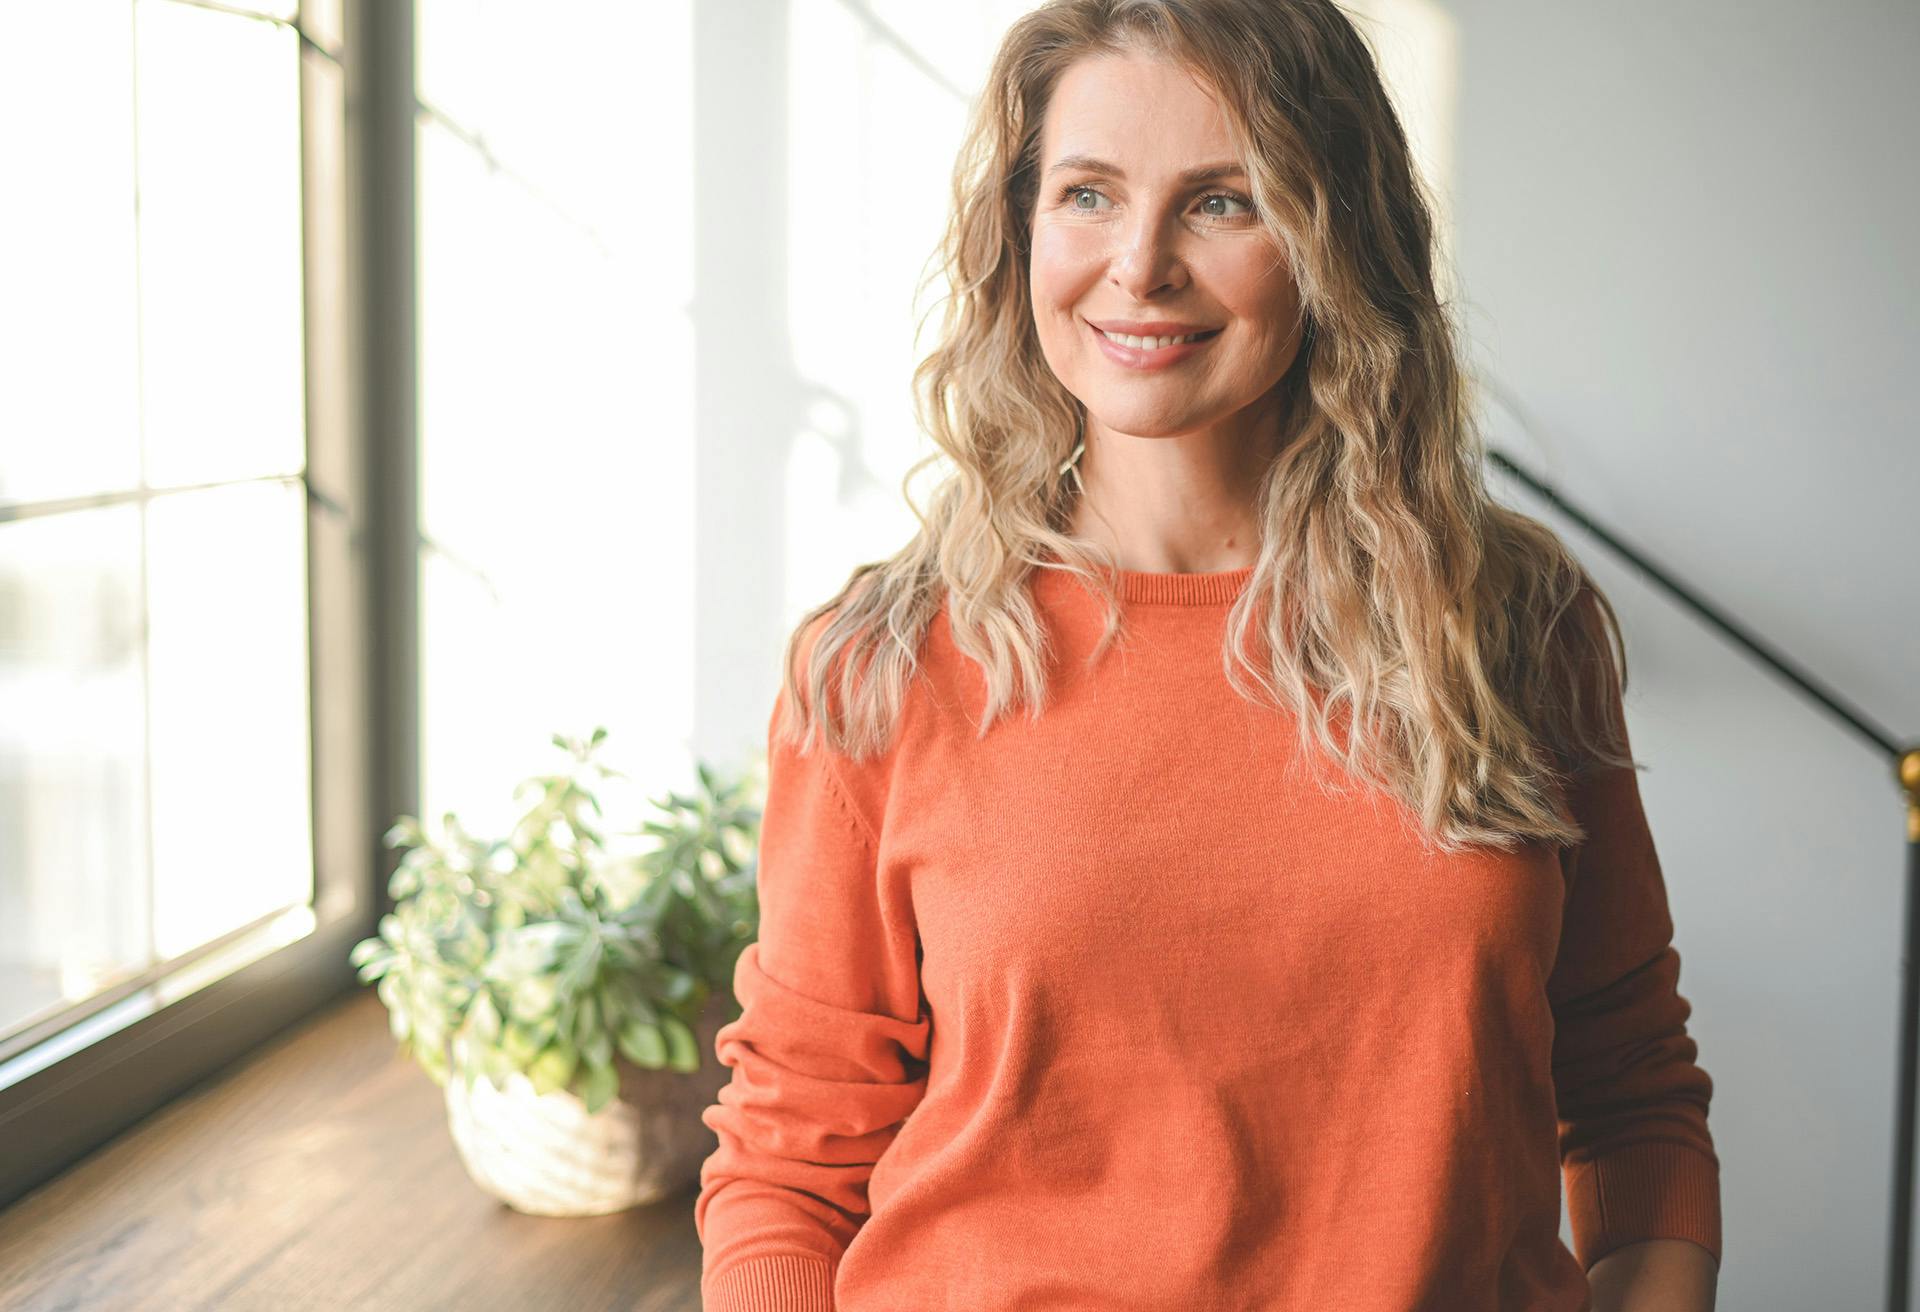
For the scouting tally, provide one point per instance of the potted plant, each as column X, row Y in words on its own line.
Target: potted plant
column 566, row 989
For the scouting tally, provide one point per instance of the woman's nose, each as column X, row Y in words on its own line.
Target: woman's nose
column 1149, row 257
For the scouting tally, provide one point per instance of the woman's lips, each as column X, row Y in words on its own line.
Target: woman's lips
column 1134, row 357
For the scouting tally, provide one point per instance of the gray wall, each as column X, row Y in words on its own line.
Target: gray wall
column 1685, row 241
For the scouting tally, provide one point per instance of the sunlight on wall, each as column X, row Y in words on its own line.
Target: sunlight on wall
column 865, row 206
column 556, row 401
column 877, row 101
column 1417, row 48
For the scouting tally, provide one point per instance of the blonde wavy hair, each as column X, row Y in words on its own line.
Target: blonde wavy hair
column 1412, row 626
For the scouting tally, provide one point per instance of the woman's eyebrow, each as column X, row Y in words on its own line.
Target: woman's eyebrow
column 1205, row 173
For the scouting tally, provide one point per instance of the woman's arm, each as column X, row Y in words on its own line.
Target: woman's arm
column 1667, row 1275
column 829, row 1053
column 1635, row 1149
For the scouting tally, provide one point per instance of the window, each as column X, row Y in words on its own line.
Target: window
column 182, row 788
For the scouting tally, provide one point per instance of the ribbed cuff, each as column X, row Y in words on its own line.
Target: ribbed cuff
column 786, row 1282
column 1659, row 1190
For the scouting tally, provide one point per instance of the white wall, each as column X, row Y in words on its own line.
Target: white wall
column 1684, row 233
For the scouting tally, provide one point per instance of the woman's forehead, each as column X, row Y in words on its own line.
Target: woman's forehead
column 1121, row 109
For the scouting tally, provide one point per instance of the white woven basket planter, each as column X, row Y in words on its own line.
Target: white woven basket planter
column 544, row 1155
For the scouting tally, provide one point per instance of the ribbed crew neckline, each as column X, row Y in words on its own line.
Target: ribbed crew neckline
column 1208, row 588
column 1218, row 587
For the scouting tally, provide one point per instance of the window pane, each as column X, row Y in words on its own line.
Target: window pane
column 73, row 840
column 232, row 833
column 68, row 350
column 219, row 122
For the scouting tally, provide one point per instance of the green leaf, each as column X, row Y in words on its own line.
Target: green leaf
column 598, row 1047
column 389, row 992
column 683, row 1053
column 484, row 1017
column 679, row 984
column 601, row 1084
column 586, row 1020
column 404, row 832
column 552, row 1068
column 520, row 1045
column 534, row 997
column 642, row 1044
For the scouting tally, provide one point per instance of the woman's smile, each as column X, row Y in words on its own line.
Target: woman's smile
column 1147, row 353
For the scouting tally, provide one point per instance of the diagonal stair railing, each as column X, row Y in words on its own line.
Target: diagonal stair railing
column 1905, row 762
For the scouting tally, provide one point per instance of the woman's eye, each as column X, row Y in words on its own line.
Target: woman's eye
column 1230, row 198
column 1073, row 194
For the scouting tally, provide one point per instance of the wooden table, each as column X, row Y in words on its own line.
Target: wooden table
column 320, row 1173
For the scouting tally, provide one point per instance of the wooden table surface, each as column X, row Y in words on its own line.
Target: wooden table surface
column 320, row 1173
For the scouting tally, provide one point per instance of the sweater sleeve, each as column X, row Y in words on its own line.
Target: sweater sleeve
column 1635, row 1150
column 827, row 1054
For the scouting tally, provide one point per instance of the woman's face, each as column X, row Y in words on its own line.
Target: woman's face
column 1122, row 233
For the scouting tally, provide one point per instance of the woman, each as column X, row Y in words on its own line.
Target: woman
column 1306, row 927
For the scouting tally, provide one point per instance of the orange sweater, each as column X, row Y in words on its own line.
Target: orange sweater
column 1108, row 1011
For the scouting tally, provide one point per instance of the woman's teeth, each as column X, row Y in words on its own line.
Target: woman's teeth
column 1150, row 343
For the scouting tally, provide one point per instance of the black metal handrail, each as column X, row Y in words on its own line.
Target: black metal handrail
column 1906, row 771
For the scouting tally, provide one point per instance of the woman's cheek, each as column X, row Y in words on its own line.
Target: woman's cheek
column 1061, row 259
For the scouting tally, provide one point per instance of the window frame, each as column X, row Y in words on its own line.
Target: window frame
column 113, row 1059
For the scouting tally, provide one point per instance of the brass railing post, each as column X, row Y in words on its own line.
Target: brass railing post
column 1907, row 769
